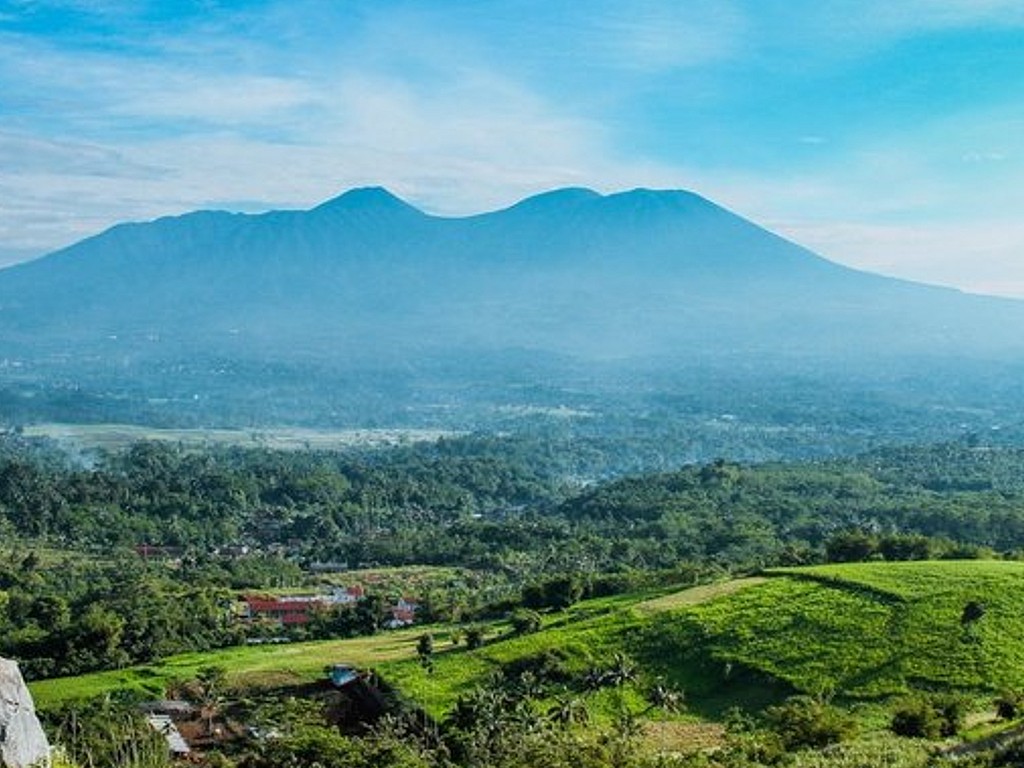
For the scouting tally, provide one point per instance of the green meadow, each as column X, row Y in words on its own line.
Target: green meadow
column 860, row 632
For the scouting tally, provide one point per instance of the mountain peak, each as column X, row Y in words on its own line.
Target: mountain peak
column 366, row 199
column 554, row 202
column 644, row 197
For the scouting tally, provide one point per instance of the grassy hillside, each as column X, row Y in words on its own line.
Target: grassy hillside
column 255, row 666
column 861, row 631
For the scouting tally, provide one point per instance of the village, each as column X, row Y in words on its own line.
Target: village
column 299, row 610
column 284, row 615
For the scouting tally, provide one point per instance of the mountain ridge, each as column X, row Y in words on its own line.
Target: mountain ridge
column 366, row 281
column 648, row 247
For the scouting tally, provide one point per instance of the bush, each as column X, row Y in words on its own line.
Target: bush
column 525, row 621
column 916, row 719
column 929, row 717
column 549, row 666
column 805, row 722
column 952, row 711
column 1009, row 704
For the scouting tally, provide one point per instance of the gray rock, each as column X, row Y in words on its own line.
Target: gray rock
column 22, row 741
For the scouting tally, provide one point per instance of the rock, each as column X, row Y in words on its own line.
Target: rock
column 22, row 741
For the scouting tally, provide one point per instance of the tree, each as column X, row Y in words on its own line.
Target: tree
column 972, row 613
column 525, row 621
column 557, row 592
column 210, row 684
column 850, row 547
column 474, row 636
column 622, row 671
column 425, row 651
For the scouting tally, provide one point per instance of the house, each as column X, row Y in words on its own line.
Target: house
column 289, row 611
column 403, row 613
column 346, row 595
column 296, row 610
column 163, row 725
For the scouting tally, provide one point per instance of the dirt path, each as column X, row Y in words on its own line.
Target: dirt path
column 696, row 595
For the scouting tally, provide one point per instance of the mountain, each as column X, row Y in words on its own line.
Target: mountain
column 569, row 271
column 367, row 281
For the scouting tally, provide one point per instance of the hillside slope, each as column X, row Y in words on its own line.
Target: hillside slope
column 860, row 630
column 869, row 630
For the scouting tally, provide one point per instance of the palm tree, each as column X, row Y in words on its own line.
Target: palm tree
column 622, row 671
column 210, row 693
column 569, row 710
column 664, row 696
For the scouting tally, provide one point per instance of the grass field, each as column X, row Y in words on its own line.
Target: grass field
column 250, row 666
column 864, row 632
column 117, row 436
column 392, row 653
column 696, row 595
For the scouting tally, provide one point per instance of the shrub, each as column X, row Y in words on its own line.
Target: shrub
column 1009, row 704
column 952, row 711
column 805, row 722
column 525, row 622
column 916, row 718
column 930, row 717
column 548, row 666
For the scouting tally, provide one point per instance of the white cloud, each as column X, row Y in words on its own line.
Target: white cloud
column 21, row 153
column 977, row 256
column 653, row 35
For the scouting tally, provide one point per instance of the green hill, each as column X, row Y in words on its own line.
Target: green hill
column 860, row 631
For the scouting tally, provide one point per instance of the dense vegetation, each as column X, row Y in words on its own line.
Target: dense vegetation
column 497, row 499
column 247, row 519
column 745, row 669
column 517, row 537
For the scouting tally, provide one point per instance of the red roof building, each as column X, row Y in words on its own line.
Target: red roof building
column 289, row 611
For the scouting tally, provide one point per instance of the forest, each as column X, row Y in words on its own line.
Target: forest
column 77, row 595
column 119, row 558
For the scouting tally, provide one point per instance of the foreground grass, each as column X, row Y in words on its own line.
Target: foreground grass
column 391, row 653
column 249, row 666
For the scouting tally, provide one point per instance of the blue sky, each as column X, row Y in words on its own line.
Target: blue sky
column 885, row 135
